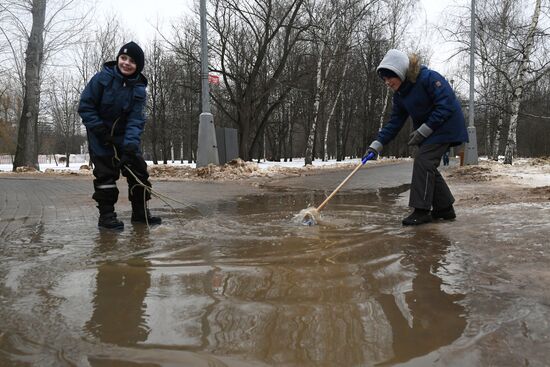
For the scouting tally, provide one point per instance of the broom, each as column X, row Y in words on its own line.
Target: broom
column 311, row 215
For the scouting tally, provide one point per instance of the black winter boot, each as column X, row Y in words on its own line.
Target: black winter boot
column 108, row 219
column 142, row 215
column 419, row 216
column 445, row 214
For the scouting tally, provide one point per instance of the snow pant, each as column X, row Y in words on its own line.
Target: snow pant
column 106, row 174
column 428, row 188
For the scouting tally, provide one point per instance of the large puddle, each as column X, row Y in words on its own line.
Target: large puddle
column 237, row 284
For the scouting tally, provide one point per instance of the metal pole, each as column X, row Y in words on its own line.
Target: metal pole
column 470, row 153
column 204, row 60
column 207, row 147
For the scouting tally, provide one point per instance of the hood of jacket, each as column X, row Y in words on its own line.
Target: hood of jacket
column 407, row 67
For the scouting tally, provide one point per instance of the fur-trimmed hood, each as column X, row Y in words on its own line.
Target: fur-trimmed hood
column 406, row 67
column 414, row 68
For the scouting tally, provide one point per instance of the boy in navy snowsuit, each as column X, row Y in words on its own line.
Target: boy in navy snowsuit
column 112, row 109
column 438, row 123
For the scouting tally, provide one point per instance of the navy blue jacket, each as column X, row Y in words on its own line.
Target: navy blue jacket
column 110, row 97
column 429, row 100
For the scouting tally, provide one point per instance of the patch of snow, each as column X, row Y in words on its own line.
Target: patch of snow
column 530, row 172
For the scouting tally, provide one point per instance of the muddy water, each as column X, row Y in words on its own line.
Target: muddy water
column 234, row 284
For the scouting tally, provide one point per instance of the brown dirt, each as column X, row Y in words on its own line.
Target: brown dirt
column 492, row 183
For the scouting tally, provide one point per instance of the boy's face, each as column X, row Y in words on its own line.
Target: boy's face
column 393, row 83
column 127, row 65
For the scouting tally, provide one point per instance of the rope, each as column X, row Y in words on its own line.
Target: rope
column 164, row 198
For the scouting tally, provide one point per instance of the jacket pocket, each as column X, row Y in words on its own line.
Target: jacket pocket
column 139, row 94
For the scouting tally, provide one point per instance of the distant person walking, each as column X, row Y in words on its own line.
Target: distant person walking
column 446, row 158
column 112, row 109
column 438, row 123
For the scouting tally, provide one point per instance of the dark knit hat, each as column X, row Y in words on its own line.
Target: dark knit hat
column 135, row 52
column 387, row 73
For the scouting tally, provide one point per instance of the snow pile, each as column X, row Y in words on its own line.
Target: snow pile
column 239, row 169
column 25, row 169
column 531, row 172
column 83, row 170
column 233, row 170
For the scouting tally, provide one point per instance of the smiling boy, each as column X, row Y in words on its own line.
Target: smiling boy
column 112, row 109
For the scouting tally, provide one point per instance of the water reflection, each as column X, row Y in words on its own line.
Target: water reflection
column 118, row 303
column 355, row 291
column 325, row 315
column 423, row 317
column 336, row 294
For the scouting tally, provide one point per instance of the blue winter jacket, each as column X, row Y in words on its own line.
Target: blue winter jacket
column 429, row 100
column 110, row 97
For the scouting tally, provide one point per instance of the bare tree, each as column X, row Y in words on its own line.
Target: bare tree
column 99, row 47
column 64, row 97
column 497, row 22
column 514, row 55
column 250, row 67
column 49, row 35
column 519, row 82
column 334, row 24
column 26, row 153
column 10, row 110
column 154, row 70
column 186, row 48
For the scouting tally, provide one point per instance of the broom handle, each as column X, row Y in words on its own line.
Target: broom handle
column 368, row 157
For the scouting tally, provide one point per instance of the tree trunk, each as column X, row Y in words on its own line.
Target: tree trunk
column 244, row 140
column 327, row 126
column 519, row 86
column 316, row 107
column 512, row 129
column 385, row 103
column 340, row 154
column 496, row 142
column 338, row 95
column 26, row 153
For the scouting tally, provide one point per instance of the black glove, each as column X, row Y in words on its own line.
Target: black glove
column 420, row 134
column 128, row 156
column 103, row 133
column 415, row 138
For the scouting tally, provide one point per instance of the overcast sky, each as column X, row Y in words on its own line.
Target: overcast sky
column 139, row 16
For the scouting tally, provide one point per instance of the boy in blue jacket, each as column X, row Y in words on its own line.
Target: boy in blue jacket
column 112, row 109
column 438, row 123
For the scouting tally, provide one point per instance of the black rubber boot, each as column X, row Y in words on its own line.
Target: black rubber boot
column 419, row 216
column 108, row 219
column 445, row 214
column 142, row 215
